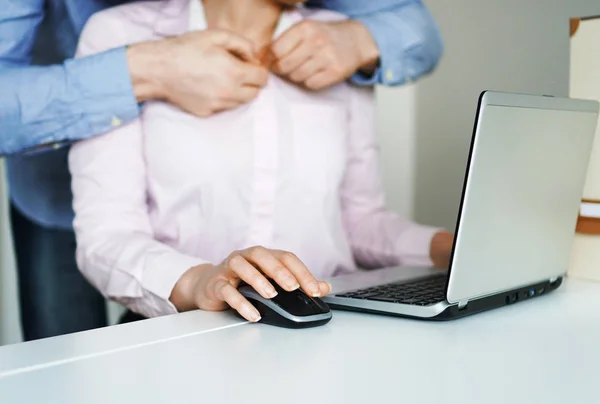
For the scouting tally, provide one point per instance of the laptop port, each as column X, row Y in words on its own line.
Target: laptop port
column 512, row 298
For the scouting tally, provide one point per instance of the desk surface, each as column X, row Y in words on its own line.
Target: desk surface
column 546, row 350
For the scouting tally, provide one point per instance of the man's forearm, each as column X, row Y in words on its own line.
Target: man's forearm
column 53, row 106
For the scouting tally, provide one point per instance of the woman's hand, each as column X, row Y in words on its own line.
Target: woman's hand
column 214, row 287
column 441, row 249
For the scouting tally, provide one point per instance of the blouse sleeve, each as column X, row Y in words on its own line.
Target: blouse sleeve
column 378, row 237
column 116, row 249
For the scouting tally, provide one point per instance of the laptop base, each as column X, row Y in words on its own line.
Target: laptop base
column 453, row 312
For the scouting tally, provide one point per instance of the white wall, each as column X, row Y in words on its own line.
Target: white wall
column 396, row 128
column 509, row 45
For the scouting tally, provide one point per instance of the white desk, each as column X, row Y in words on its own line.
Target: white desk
column 546, row 350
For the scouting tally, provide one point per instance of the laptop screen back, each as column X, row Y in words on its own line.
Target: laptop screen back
column 524, row 183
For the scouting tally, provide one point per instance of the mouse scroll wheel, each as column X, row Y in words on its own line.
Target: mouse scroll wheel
column 305, row 299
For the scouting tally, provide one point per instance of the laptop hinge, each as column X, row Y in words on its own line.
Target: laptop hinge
column 462, row 305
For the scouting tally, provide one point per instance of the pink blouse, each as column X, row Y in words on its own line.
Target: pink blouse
column 293, row 170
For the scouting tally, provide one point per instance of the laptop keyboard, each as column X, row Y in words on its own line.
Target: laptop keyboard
column 418, row 292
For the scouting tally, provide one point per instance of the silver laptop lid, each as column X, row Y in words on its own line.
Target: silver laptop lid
column 525, row 177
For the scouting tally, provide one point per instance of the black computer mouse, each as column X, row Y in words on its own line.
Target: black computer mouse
column 288, row 309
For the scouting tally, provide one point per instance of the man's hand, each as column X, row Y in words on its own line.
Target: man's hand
column 319, row 54
column 201, row 72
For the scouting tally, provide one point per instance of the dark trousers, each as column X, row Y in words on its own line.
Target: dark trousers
column 54, row 296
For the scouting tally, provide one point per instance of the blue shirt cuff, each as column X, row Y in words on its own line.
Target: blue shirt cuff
column 409, row 43
column 362, row 79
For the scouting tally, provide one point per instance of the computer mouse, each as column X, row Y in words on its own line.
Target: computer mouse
column 288, row 309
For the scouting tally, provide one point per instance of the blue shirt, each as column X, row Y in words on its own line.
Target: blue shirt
column 48, row 100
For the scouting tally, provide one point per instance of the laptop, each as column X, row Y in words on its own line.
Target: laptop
column 523, row 186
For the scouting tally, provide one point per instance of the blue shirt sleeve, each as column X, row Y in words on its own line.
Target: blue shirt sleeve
column 409, row 41
column 49, row 107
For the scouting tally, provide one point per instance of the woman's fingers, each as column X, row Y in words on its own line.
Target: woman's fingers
column 264, row 260
column 283, row 267
column 308, row 283
column 229, row 294
column 249, row 274
column 325, row 288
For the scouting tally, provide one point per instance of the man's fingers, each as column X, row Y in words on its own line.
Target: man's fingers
column 253, row 75
column 229, row 294
column 238, row 45
column 294, row 59
column 305, row 71
column 235, row 97
column 308, row 283
column 272, row 267
column 320, row 80
column 223, row 106
column 240, row 95
column 249, row 274
column 288, row 41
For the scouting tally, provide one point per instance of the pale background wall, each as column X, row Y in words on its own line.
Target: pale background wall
column 585, row 83
column 509, row 45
